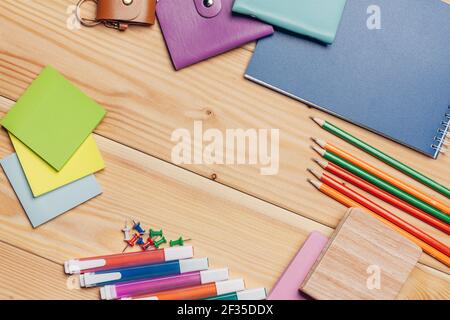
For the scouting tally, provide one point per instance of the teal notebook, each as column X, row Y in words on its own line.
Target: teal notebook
column 318, row 19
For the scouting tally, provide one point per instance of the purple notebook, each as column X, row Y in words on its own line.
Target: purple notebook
column 195, row 30
column 287, row 286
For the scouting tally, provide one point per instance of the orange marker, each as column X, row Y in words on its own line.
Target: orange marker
column 197, row 292
column 384, row 176
column 350, row 203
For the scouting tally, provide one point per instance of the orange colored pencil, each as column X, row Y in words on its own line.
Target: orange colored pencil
column 383, row 195
column 382, row 212
column 350, row 203
column 383, row 175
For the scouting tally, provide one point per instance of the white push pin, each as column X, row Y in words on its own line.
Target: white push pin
column 126, row 232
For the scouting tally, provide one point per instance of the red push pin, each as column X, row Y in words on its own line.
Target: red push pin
column 149, row 243
column 131, row 242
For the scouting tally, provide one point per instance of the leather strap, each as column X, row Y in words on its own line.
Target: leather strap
column 119, row 14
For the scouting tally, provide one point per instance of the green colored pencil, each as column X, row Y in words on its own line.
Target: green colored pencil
column 383, row 157
column 382, row 184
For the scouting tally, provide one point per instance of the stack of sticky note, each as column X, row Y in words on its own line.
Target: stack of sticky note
column 51, row 127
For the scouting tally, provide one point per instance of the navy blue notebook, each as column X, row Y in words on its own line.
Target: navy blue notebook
column 388, row 69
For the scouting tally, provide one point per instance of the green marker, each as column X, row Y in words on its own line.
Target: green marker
column 252, row 294
column 156, row 233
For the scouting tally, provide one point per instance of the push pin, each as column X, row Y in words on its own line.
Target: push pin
column 179, row 242
column 140, row 241
column 126, row 232
column 149, row 243
column 160, row 242
column 156, row 233
column 131, row 242
column 138, row 228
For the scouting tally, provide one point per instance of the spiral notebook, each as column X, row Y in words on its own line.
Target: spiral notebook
column 388, row 70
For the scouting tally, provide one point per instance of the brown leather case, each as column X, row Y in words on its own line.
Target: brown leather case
column 126, row 12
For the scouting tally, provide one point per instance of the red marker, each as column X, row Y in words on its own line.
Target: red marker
column 122, row 260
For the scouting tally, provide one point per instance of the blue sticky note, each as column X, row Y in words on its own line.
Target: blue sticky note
column 48, row 206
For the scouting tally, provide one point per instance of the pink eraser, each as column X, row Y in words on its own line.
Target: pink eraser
column 287, row 286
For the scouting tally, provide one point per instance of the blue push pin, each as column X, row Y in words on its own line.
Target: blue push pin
column 138, row 228
column 140, row 241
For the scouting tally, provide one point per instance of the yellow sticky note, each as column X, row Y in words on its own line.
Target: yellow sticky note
column 42, row 178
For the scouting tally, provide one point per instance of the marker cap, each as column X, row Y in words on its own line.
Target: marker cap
column 91, row 279
column 214, row 275
column 190, row 265
column 178, row 253
column 108, row 292
column 252, row 294
column 229, row 286
column 76, row 266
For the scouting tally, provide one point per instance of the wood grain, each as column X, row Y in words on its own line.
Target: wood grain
column 131, row 75
column 362, row 247
column 420, row 278
column 26, row 276
column 255, row 239
column 249, row 225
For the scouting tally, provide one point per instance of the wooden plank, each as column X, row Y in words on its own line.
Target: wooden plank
column 422, row 277
column 131, row 75
column 43, row 279
column 252, row 237
column 362, row 245
column 6, row 103
column 26, row 276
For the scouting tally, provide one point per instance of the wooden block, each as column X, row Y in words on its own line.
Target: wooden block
column 365, row 259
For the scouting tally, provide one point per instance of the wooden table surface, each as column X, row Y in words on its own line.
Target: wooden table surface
column 251, row 223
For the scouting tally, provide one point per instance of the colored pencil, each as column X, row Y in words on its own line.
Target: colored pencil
column 383, row 195
column 147, row 286
column 197, row 292
column 383, row 157
column 383, row 175
column 332, row 193
column 382, row 184
column 382, row 212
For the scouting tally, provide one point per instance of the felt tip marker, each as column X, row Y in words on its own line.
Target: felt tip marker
column 198, row 292
column 99, row 278
column 148, row 286
column 252, row 294
column 123, row 260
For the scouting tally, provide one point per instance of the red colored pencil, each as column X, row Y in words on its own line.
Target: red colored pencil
column 383, row 195
column 340, row 187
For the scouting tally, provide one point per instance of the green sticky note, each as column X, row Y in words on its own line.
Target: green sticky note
column 53, row 118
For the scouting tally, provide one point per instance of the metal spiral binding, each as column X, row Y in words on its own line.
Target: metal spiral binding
column 442, row 140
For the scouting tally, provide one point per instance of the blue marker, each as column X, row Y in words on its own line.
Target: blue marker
column 100, row 278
